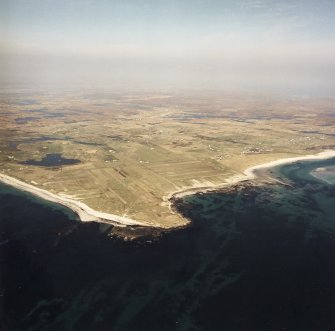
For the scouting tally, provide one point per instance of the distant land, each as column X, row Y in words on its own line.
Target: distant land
column 126, row 154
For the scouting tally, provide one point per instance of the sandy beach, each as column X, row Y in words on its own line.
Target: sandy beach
column 87, row 214
column 249, row 174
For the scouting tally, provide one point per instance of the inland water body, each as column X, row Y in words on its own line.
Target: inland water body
column 257, row 257
column 52, row 160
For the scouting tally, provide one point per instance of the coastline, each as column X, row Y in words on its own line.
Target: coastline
column 248, row 174
column 87, row 214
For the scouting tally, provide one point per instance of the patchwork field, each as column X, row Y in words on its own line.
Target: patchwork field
column 135, row 149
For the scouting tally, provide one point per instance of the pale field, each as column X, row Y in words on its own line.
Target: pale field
column 136, row 149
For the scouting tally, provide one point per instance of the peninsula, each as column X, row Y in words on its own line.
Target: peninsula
column 87, row 214
column 120, row 158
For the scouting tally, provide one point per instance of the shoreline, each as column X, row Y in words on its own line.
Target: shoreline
column 87, row 214
column 248, row 174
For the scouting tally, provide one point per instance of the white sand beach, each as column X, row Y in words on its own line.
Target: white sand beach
column 85, row 213
column 249, row 174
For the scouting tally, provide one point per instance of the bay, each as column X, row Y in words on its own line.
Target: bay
column 257, row 257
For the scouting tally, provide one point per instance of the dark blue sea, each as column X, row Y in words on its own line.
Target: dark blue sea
column 258, row 256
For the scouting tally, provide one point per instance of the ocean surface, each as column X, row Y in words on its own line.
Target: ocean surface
column 257, row 257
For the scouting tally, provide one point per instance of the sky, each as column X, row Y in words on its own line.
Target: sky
column 228, row 44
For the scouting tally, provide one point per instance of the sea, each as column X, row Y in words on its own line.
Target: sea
column 259, row 255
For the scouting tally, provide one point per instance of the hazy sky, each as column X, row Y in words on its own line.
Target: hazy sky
column 231, row 44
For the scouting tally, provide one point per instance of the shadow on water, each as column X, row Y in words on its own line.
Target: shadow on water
column 255, row 258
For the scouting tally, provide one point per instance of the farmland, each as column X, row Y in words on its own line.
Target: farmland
column 134, row 149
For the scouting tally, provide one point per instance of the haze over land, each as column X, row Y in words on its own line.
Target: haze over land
column 119, row 104
column 154, row 123
column 252, row 45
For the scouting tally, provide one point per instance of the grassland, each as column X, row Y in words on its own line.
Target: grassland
column 137, row 148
